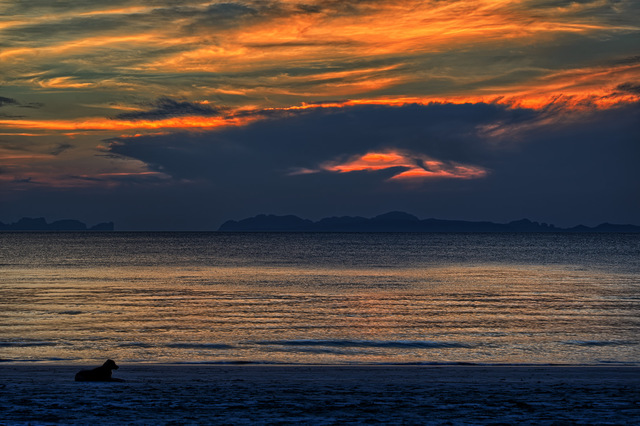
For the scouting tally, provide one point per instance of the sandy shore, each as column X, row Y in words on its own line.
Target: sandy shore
column 205, row 394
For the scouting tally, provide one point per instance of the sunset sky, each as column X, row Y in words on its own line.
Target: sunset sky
column 180, row 115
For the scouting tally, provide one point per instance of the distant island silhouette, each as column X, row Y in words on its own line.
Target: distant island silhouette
column 40, row 224
column 401, row 222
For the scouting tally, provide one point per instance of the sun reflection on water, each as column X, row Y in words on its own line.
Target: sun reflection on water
column 375, row 308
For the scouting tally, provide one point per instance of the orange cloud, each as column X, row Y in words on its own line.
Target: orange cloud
column 291, row 54
column 534, row 97
column 384, row 30
column 89, row 43
column 569, row 90
column 183, row 123
column 416, row 166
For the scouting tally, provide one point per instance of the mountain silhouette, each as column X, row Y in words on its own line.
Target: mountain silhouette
column 401, row 222
column 40, row 224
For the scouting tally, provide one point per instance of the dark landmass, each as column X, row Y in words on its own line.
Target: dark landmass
column 40, row 224
column 401, row 222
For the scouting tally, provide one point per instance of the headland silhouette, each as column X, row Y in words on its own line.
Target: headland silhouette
column 402, row 222
column 40, row 224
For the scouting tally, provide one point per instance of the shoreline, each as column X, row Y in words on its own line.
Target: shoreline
column 321, row 394
column 250, row 364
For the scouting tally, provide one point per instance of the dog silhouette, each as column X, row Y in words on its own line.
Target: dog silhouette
column 99, row 374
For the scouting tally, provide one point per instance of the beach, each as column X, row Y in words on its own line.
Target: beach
column 254, row 394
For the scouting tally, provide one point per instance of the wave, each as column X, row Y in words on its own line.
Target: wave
column 25, row 344
column 599, row 343
column 354, row 363
column 420, row 344
column 400, row 364
column 51, row 359
column 231, row 362
column 176, row 345
column 616, row 363
column 315, row 344
column 198, row 346
column 136, row 345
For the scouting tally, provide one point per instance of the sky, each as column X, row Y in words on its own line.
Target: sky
column 166, row 115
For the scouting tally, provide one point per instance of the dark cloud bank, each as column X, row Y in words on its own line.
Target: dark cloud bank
column 167, row 107
column 552, row 166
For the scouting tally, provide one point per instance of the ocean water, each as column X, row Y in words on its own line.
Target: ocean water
column 296, row 298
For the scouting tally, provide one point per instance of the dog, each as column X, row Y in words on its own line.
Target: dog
column 99, row 374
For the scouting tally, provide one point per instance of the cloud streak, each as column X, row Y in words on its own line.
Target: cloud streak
column 7, row 101
column 166, row 107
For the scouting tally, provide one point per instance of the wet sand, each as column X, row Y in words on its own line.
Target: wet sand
column 250, row 394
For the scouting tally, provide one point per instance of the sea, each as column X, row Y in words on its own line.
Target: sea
column 320, row 298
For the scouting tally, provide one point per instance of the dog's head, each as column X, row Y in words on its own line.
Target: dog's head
column 110, row 364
